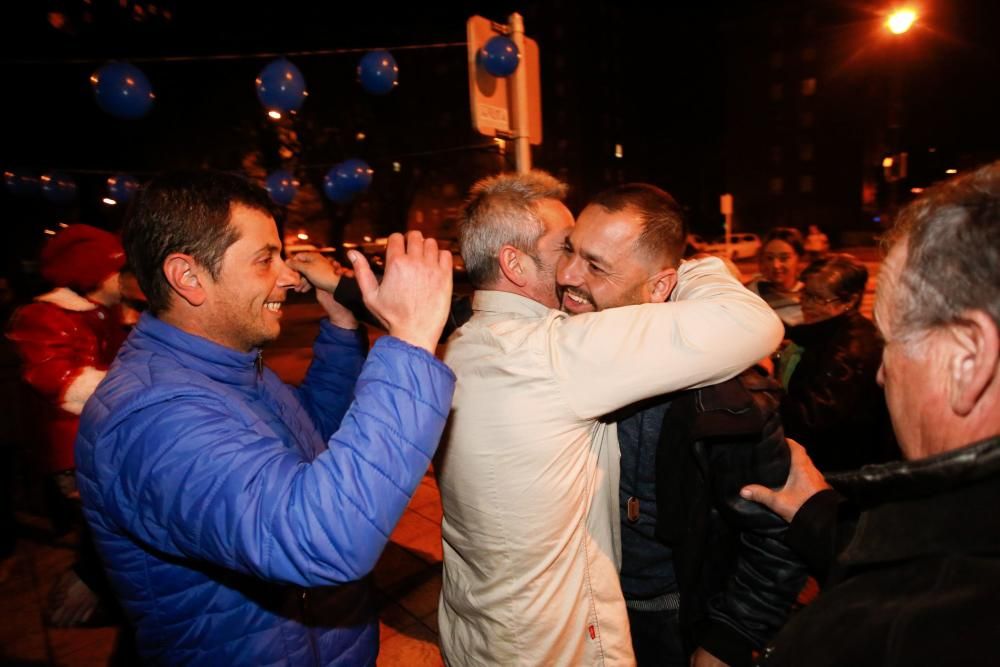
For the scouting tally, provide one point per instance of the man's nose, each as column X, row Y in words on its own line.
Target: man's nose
column 287, row 277
column 567, row 271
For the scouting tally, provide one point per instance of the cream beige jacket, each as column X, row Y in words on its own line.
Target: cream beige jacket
column 529, row 475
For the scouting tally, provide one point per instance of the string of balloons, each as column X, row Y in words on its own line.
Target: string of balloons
column 122, row 90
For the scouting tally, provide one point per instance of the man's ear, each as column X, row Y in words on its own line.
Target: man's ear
column 511, row 265
column 183, row 274
column 974, row 356
column 661, row 285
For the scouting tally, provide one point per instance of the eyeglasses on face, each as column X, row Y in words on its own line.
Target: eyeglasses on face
column 813, row 298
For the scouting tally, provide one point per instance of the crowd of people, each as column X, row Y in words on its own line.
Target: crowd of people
column 641, row 460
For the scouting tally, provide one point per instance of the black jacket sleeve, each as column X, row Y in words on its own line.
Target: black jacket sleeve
column 348, row 294
column 738, row 578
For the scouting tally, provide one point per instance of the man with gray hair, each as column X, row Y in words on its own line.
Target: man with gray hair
column 529, row 473
column 909, row 550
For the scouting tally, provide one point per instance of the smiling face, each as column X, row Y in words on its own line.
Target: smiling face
column 243, row 305
column 779, row 264
column 600, row 267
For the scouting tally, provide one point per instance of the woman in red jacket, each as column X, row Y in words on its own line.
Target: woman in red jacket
column 67, row 339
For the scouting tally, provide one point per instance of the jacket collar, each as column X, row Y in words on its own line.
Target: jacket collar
column 67, row 299
column 218, row 362
column 900, row 480
column 496, row 302
column 934, row 507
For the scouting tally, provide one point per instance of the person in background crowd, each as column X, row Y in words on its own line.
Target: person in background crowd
column 781, row 260
column 237, row 516
column 133, row 301
column 817, row 244
column 66, row 339
column 833, row 403
column 910, row 552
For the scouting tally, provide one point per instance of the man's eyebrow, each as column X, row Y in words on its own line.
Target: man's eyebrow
column 268, row 249
column 591, row 257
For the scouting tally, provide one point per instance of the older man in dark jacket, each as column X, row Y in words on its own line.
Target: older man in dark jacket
column 909, row 551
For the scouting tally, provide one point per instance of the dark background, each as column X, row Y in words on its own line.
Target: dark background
column 688, row 90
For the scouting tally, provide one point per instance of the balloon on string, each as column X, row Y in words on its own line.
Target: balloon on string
column 378, row 72
column 334, row 187
column 58, row 188
column 355, row 175
column 121, row 187
column 499, row 56
column 281, row 86
column 281, row 186
column 21, row 183
column 122, row 90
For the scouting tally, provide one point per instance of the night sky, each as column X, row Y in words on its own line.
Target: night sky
column 671, row 63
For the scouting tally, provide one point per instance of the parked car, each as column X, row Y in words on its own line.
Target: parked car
column 742, row 245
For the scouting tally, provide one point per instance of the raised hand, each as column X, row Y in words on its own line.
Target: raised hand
column 804, row 481
column 414, row 298
column 317, row 269
column 320, row 272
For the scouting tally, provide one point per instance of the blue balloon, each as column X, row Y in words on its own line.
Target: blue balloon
column 121, row 187
column 20, row 183
column 334, row 188
column 281, row 86
column 499, row 56
column 58, row 188
column 354, row 175
column 122, row 90
column 282, row 187
column 378, row 72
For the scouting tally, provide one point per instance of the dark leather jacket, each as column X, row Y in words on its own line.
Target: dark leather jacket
column 910, row 557
column 736, row 576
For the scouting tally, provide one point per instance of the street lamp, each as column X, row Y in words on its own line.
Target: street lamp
column 901, row 20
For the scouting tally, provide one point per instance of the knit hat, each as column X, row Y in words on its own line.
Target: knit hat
column 81, row 257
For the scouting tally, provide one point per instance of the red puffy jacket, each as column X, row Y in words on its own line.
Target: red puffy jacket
column 66, row 343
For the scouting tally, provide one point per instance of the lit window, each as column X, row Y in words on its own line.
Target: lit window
column 809, row 86
column 619, row 153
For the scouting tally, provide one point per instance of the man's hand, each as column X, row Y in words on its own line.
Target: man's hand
column 414, row 298
column 702, row 658
column 804, row 481
column 316, row 270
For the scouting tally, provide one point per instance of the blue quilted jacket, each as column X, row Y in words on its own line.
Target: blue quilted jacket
column 232, row 510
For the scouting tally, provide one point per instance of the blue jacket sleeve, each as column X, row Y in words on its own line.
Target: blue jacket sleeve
column 326, row 392
column 194, row 478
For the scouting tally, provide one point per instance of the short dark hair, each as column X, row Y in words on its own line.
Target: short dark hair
column 843, row 276
column 187, row 212
column 664, row 231
column 952, row 236
column 789, row 235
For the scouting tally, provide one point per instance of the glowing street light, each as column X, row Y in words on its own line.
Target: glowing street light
column 901, row 20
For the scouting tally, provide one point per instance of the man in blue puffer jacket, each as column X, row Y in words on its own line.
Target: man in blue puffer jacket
column 231, row 510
